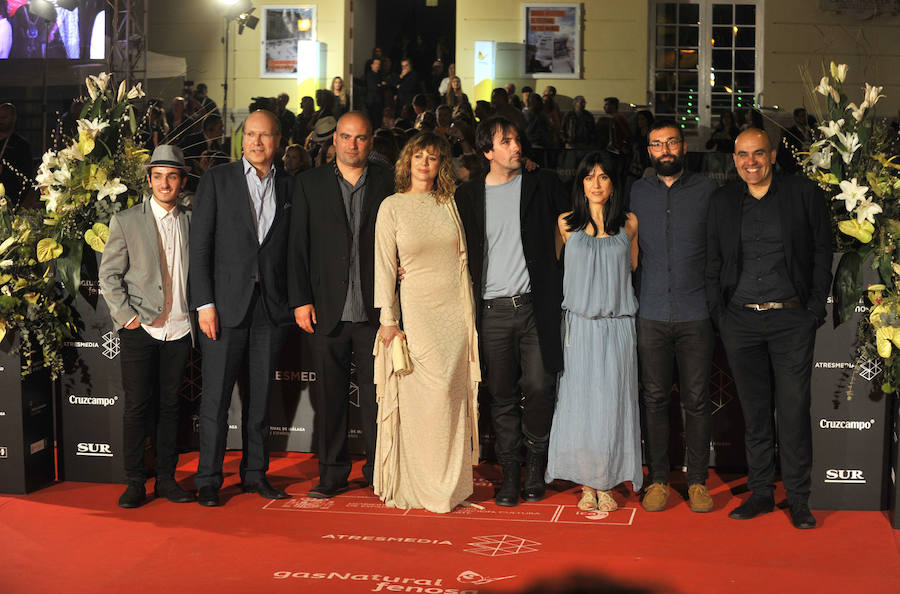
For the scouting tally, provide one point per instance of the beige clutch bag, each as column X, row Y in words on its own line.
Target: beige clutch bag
column 400, row 357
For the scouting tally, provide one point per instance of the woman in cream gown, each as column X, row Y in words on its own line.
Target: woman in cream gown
column 427, row 426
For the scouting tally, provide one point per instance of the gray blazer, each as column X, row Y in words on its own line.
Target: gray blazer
column 130, row 269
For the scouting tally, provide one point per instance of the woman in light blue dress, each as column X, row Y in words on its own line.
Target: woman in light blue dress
column 595, row 440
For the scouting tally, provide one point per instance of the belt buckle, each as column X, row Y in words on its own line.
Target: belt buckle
column 756, row 307
column 515, row 301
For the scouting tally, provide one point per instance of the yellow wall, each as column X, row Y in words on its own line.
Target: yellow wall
column 193, row 29
column 798, row 33
column 614, row 60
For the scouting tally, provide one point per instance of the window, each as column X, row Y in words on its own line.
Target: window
column 704, row 59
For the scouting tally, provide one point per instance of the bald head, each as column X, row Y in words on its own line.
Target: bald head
column 754, row 158
column 352, row 141
column 358, row 118
column 264, row 115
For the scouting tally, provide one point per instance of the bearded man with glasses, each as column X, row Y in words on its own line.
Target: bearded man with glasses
column 673, row 325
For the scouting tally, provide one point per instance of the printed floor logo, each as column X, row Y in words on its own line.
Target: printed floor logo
column 500, row 545
column 110, row 345
column 476, row 579
column 381, row 583
column 721, row 388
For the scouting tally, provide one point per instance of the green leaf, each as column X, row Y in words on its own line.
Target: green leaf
column 68, row 267
column 885, row 270
column 848, row 287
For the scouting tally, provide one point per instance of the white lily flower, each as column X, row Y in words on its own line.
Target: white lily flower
column 6, row 263
column 849, row 145
column 111, row 188
column 824, row 88
column 832, row 128
column 72, row 152
column 858, row 112
column 51, row 198
column 101, row 81
column 62, row 175
column 835, row 96
column 839, row 72
column 873, row 94
column 851, row 193
column 822, row 157
column 136, row 92
column 92, row 127
column 49, row 159
column 121, row 94
column 91, row 88
column 7, row 243
column 44, row 176
column 866, row 211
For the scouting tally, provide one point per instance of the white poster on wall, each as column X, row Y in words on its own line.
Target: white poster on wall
column 282, row 28
column 552, row 38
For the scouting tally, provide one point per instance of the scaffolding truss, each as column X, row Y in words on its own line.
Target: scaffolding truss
column 128, row 40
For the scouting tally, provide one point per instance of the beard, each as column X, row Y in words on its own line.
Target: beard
column 670, row 167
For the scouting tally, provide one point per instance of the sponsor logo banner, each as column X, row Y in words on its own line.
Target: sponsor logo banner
column 98, row 450
column 93, row 400
column 846, row 424
column 845, row 476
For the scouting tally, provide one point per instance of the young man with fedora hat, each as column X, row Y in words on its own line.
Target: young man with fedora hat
column 143, row 277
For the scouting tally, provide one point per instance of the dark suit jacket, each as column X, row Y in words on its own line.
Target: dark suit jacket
column 806, row 233
column 543, row 200
column 320, row 241
column 225, row 252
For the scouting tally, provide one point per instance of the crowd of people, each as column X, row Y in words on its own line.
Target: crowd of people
column 430, row 245
column 505, row 281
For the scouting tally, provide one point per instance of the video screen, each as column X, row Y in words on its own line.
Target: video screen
column 53, row 29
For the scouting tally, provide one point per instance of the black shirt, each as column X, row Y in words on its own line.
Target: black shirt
column 764, row 274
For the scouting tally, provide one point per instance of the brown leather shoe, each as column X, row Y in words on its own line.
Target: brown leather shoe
column 699, row 499
column 656, row 496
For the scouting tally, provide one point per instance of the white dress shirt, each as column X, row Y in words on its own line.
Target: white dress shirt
column 173, row 323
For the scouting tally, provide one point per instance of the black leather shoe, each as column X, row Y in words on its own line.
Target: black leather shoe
column 756, row 505
column 208, row 496
column 322, row 491
column 134, row 496
column 508, row 493
column 172, row 491
column 265, row 490
column 534, row 486
column 801, row 517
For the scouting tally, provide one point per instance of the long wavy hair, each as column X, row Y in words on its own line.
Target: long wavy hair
column 445, row 182
column 613, row 209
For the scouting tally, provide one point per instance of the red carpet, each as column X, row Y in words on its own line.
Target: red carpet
column 72, row 537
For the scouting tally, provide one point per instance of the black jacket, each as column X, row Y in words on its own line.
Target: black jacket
column 320, row 240
column 225, row 253
column 806, row 233
column 543, row 200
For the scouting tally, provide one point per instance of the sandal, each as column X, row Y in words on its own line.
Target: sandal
column 588, row 500
column 605, row 501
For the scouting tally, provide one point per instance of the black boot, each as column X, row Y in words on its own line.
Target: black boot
column 508, row 493
column 535, row 487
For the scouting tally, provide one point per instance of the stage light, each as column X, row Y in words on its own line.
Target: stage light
column 304, row 25
column 247, row 20
column 43, row 9
column 67, row 4
column 233, row 9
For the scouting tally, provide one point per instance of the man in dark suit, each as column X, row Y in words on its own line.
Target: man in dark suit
column 509, row 217
column 767, row 278
column 143, row 277
column 331, row 281
column 238, row 267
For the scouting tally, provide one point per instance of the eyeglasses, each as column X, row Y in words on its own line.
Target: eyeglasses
column 670, row 143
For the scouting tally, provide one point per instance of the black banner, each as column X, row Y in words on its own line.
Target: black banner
column 26, row 428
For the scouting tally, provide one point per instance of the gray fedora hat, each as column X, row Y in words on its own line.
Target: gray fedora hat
column 324, row 129
column 167, row 155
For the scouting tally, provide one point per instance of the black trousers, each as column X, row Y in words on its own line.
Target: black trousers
column 771, row 356
column 523, row 394
column 152, row 371
column 255, row 346
column 332, row 355
column 662, row 345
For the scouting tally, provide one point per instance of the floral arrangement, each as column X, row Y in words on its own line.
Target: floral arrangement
column 29, row 300
column 99, row 173
column 852, row 161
